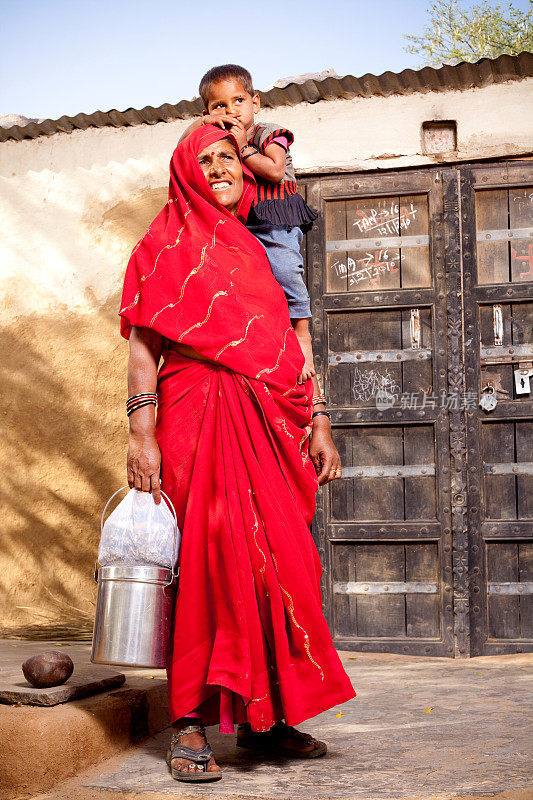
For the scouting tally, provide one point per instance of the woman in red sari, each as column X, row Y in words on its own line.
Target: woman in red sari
column 231, row 446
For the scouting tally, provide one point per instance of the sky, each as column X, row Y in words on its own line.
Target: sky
column 67, row 56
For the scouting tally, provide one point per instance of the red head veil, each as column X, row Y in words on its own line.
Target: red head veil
column 198, row 276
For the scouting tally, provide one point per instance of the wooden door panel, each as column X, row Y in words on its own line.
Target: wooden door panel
column 370, row 350
column 434, row 493
column 422, row 609
column 504, row 235
column 336, row 262
column 377, row 242
column 525, row 576
column 389, row 474
column 524, row 482
column 386, row 591
column 383, row 530
column 420, row 491
column 497, row 209
column 503, row 349
column 503, row 609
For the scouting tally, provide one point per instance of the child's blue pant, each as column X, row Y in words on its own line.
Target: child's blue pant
column 282, row 246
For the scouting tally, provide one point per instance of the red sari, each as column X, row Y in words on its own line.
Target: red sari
column 250, row 641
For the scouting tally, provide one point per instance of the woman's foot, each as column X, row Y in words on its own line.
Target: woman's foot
column 283, row 740
column 189, row 733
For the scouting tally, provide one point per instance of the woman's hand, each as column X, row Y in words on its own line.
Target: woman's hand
column 323, row 452
column 144, row 465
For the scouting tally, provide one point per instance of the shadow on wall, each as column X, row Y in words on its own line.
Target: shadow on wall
column 64, row 440
column 127, row 220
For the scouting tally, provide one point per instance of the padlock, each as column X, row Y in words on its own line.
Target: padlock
column 488, row 401
column 522, row 380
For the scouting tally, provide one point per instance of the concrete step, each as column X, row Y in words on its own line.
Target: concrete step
column 42, row 746
column 420, row 728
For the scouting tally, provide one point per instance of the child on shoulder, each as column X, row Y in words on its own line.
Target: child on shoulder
column 279, row 216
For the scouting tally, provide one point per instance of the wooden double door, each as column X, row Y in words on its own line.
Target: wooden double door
column 421, row 286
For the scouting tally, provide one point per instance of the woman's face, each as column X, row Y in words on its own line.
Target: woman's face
column 223, row 171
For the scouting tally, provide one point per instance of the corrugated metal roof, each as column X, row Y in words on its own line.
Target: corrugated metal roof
column 461, row 76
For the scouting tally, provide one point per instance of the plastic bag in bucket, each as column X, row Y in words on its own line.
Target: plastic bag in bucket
column 139, row 532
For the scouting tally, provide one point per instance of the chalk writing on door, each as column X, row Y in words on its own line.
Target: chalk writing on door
column 367, row 383
column 368, row 268
column 522, row 199
column 385, row 221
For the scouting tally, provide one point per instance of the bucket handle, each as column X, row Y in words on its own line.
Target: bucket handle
column 174, row 574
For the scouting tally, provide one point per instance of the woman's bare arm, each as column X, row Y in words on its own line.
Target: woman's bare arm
column 144, row 457
column 322, row 451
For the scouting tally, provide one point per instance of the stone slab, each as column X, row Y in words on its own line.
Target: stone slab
column 87, row 679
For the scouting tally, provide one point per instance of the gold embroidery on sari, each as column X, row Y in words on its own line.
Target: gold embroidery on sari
column 306, row 635
column 135, row 301
column 284, row 394
column 193, row 271
column 235, row 342
column 166, row 247
column 220, row 222
column 199, row 324
column 268, row 370
column 307, row 430
column 286, row 430
column 169, row 246
column 297, row 625
column 255, row 531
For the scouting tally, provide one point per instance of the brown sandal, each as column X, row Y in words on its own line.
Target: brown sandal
column 200, row 757
column 270, row 741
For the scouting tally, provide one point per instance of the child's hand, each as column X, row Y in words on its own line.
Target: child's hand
column 239, row 131
column 223, row 121
column 227, row 123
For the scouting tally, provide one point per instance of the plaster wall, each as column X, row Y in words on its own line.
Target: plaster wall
column 73, row 206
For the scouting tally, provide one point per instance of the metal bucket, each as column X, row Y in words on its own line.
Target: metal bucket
column 133, row 612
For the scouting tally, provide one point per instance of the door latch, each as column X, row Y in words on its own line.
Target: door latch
column 414, row 329
column 497, row 324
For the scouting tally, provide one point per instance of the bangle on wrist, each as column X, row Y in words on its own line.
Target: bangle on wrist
column 140, row 400
column 321, row 413
column 141, row 404
column 253, row 152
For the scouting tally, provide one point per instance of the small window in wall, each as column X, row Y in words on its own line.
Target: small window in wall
column 439, row 136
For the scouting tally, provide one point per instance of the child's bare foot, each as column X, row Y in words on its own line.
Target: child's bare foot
column 307, row 372
column 301, row 329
